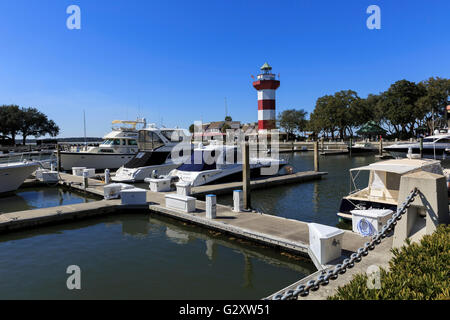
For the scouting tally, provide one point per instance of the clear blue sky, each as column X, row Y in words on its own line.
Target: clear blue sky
column 176, row 61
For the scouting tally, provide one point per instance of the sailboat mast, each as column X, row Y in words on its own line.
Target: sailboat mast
column 84, row 120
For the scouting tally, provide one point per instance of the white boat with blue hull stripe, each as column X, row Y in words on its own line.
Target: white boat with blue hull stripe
column 221, row 163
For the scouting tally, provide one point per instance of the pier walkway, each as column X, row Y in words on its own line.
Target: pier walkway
column 226, row 188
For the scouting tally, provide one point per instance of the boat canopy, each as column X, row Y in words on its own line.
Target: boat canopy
column 402, row 166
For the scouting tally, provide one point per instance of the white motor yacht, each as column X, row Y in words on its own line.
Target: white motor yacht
column 160, row 150
column 433, row 147
column 119, row 147
column 13, row 174
column 221, row 163
column 383, row 184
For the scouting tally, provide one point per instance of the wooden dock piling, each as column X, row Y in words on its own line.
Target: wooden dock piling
column 246, row 175
column 316, row 156
column 381, row 146
column 421, row 147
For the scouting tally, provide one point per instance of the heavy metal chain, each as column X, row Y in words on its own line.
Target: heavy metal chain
column 303, row 290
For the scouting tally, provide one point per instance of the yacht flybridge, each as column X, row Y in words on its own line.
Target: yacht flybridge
column 383, row 185
column 433, row 147
column 119, row 146
column 160, row 150
column 220, row 163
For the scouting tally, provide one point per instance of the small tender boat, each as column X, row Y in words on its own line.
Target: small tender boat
column 363, row 147
column 383, row 185
column 13, row 174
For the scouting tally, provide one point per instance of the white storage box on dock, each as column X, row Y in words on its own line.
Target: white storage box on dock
column 50, row 176
column 133, row 196
column 88, row 173
column 369, row 222
column 183, row 188
column 159, row 185
column 78, row 171
column 179, row 202
column 46, row 175
column 112, row 191
column 325, row 242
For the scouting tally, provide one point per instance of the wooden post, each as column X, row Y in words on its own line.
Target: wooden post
column 316, row 156
column 381, row 146
column 58, row 157
column 350, row 147
column 246, row 175
column 421, row 147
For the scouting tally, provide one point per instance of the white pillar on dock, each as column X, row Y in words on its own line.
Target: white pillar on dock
column 238, row 200
column 107, row 176
column 211, row 206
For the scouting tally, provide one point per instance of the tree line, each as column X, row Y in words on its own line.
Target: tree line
column 25, row 122
column 405, row 110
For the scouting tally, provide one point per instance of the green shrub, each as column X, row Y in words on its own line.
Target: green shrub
column 417, row 271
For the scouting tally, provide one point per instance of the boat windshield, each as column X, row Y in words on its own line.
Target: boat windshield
column 112, row 142
column 198, row 163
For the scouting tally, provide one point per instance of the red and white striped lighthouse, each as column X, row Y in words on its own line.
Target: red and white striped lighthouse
column 266, row 86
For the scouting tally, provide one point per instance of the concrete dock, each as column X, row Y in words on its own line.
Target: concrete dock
column 226, row 188
column 285, row 234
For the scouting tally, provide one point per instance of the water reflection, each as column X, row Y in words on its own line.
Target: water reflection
column 156, row 257
column 140, row 226
column 42, row 197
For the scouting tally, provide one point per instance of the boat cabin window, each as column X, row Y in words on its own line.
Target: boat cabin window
column 172, row 135
column 107, row 150
column 116, row 142
column 149, row 140
column 385, row 180
column 429, row 140
column 132, row 142
column 443, row 140
column 393, row 181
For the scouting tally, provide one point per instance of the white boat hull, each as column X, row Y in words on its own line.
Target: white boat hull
column 13, row 175
column 139, row 174
column 201, row 178
column 97, row 161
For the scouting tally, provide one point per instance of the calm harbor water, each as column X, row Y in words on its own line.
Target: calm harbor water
column 316, row 201
column 143, row 256
column 42, row 197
